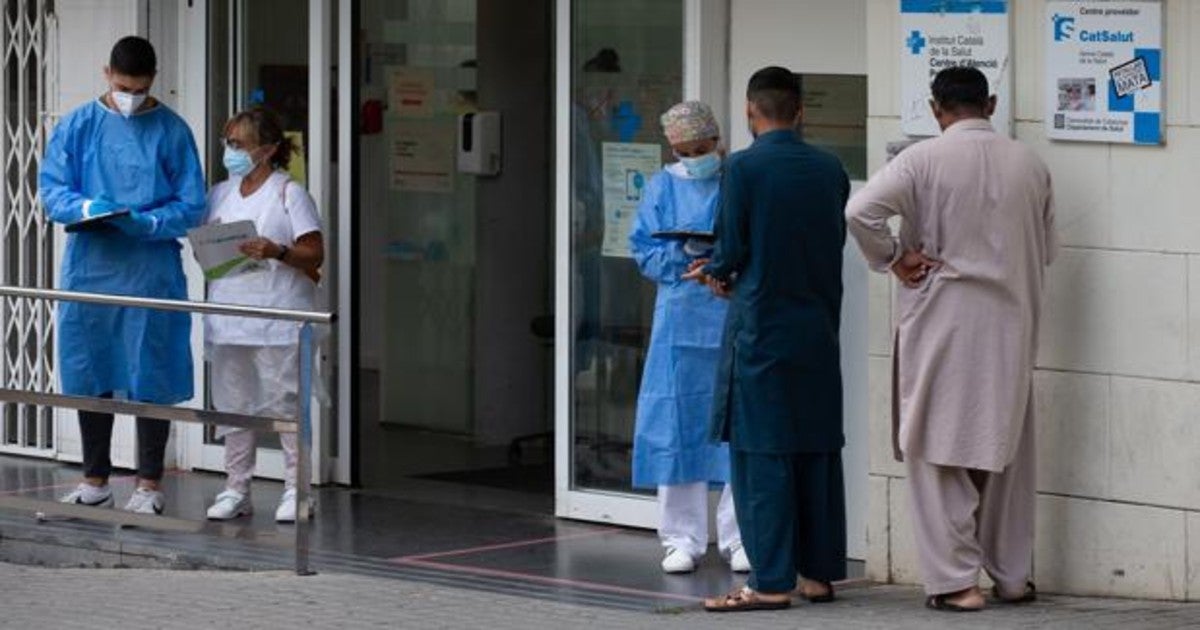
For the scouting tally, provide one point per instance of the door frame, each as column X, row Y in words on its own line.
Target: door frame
column 194, row 19
column 345, row 296
column 705, row 76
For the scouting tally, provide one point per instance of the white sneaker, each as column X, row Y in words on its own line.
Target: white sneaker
column 230, row 504
column 739, row 562
column 93, row 496
column 145, row 501
column 678, row 561
column 286, row 512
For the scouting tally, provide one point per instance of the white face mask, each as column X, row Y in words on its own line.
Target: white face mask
column 128, row 103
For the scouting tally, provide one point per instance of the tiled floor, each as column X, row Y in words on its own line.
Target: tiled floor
column 466, row 535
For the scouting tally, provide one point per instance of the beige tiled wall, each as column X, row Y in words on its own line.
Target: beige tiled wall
column 1118, row 387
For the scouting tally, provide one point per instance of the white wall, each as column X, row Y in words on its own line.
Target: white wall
column 817, row 36
column 1118, row 385
column 828, row 38
column 87, row 30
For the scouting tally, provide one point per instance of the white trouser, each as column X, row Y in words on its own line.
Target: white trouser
column 241, row 446
column 684, row 523
column 260, row 381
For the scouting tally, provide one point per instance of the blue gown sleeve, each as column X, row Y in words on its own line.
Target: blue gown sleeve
column 185, row 209
column 659, row 260
column 58, row 178
column 729, row 255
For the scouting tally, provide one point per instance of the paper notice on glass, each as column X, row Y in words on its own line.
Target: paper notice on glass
column 410, row 92
column 217, row 249
column 627, row 168
column 422, row 156
column 296, row 166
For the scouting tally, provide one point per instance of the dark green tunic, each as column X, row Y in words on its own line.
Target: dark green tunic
column 780, row 235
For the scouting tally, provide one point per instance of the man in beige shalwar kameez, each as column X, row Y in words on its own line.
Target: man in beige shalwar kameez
column 976, row 233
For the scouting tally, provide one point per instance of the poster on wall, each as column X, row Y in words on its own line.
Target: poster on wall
column 627, row 167
column 422, row 157
column 1104, row 71
column 410, row 92
column 939, row 34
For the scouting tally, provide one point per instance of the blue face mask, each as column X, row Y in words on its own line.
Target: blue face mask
column 702, row 167
column 237, row 162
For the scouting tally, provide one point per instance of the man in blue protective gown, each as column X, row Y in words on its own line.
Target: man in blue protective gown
column 671, row 449
column 780, row 234
column 124, row 151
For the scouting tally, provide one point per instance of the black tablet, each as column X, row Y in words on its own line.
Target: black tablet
column 92, row 223
column 684, row 235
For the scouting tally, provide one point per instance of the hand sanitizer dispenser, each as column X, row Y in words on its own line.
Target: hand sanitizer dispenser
column 479, row 143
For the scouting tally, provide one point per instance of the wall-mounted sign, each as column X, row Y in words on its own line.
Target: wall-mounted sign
column 938, row 34
column 628, row 167
column 1104, row 71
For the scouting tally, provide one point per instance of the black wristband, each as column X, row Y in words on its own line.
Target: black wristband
column 283, row 253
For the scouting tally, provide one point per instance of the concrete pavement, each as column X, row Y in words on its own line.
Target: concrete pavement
column 35, row 597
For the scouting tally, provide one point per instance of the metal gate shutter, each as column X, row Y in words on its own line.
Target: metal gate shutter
column 26, row 238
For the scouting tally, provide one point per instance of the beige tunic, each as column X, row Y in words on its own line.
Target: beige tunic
column 982, row 204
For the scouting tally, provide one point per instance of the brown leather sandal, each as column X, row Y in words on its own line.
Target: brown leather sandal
column 744, row 599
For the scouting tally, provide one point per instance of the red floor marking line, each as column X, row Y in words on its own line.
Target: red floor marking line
column 501, row 546
column 529, row 577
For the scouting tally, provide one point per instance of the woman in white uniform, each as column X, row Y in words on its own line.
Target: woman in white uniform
column 255, row 361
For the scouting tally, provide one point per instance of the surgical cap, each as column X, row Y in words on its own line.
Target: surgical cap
column 688, row 121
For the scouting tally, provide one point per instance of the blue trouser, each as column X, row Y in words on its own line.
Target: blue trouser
column 791, row 509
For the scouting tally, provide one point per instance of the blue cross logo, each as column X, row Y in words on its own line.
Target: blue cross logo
column 915, row 42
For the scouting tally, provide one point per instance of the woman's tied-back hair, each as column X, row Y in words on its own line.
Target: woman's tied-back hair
column 266, row 127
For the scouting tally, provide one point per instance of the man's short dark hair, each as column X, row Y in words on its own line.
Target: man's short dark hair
column 133, row 56
column 775, row 92
column 956, row 89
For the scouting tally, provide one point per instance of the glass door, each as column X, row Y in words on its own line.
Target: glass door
column 257, row 54
column 454, row 256
column 620, row 65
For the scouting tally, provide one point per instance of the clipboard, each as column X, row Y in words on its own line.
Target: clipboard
column 217, row 249
column 95, row 222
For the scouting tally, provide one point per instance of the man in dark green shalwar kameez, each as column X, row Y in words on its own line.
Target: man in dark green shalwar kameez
column 780, row 233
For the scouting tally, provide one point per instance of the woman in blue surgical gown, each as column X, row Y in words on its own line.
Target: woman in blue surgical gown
column 671, row 450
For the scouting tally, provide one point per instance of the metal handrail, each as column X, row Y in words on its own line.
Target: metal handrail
column 204, row 308
column 302, row 424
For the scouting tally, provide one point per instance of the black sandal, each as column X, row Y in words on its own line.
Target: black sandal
column 1028, row 597
column 942, row 602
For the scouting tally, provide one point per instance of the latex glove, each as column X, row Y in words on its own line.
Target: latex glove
column 136, row 224
column 99, row 207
